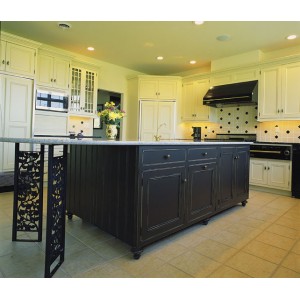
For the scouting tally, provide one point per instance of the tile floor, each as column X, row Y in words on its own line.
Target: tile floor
column 261, row 240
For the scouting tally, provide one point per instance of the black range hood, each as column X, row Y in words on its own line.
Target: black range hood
column 235, row 94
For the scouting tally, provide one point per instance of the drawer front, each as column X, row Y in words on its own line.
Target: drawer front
column 162, row 156
column 202, row 153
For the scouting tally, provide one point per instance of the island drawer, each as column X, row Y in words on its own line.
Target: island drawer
column 202, row 153
column 162, row 156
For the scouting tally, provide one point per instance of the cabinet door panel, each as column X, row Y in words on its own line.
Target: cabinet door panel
column 148, row 120
column 258, row 172
column 45, row 70
column 201, row 191
column 166, row 119
column 162, row 201
column 279, row 174
column 61, row 73
column 167, row 90
column 148, row 89
column 241, row 174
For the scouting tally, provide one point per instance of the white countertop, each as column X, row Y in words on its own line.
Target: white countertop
column 99, row 141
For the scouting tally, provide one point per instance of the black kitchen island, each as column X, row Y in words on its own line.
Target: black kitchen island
column 143, row 192
column 137, row 191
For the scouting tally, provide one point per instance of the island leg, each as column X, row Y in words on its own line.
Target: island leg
column 244, row 202
column 137, row 252
column 56, row 211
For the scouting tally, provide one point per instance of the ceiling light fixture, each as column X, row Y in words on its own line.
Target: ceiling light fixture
column 291, row 37
column 159, row 57
column 91, row 48
column 198, row 22
column 64, row 26
column 192, row 62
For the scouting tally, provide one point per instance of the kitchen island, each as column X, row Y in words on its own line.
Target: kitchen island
column 137, row 191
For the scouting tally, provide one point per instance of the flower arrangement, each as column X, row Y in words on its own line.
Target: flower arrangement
column 111, row 115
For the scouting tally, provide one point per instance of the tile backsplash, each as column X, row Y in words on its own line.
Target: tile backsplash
column 244, row 120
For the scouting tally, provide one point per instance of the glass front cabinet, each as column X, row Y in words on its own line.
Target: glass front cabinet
column 83, row 91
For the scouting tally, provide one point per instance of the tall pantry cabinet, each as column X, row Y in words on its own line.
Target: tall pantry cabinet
column 151, row 109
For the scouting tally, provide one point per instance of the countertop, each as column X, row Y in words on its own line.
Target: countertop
column 95, row 141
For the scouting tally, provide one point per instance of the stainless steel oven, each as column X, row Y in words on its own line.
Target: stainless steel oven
column 51, row 100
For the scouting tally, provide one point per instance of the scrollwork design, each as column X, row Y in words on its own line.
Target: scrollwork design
column 28, row 198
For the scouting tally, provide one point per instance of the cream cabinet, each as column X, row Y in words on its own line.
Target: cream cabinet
column 154, row 87
column 241, row 75
column 192, row 107
column 83, row 98
column 270, row 173
column 157, row 119
column 53, row 71
column 16, row 115
column 17, row 59
column 279, row 93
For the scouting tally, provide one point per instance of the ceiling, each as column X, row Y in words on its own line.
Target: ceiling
column 136, row 44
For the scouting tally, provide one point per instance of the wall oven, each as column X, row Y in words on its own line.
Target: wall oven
column 51, row 100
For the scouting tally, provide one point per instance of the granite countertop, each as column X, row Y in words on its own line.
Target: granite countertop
column 99, row 141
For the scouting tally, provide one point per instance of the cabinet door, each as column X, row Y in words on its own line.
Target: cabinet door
column 269, row 105
column 162, row 202
column 188, row 102
column 18, row 112
column 61, row 73
column 258, row 172
column 226, row 177
column 20, row 59
column 279, row 174
column 291, row 91
column 45, row 70
column 148, row 120
column 2, row 55
column 166, row 113
column 201, row 188
column 167, row 90
column 90, row 92
column 241, row 182
column 148, row 89
column 202, row 111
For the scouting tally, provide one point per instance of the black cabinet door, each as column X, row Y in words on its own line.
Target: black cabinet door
column 226, row 177
column 241, row 174
column 162, row 202
column 201, row 188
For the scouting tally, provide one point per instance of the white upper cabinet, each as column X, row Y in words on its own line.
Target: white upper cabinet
column 53, row 71
column 83, row 91
column 279, row 93
column 158, row 88
column 17, row 59
column 192, row 101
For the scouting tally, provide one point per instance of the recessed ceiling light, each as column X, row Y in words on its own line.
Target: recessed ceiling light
column 192, row 62
column 291, row 37
column 64, row 25
column 223, row 37
column 198, row 22
column 91, row 48
column 159, row 57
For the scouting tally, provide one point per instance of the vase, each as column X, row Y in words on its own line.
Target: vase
column 111, row 131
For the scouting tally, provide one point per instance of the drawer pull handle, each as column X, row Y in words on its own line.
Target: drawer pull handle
column 204, row 167
column 204, row 153
column 167, row 156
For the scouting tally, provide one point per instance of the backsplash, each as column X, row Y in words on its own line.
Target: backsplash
column 244, row 120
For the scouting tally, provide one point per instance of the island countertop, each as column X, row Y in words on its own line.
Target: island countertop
column 99, row 141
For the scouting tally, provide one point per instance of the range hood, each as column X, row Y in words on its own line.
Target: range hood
column 235, row 94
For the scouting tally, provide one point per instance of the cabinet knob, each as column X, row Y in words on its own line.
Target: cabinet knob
column 204, row 153
column 265, row 168
column 184, row 180
column 51, row 80
column 278, row 110
column 268, row 168
column 7, row 63
column 204, row 167
column 167, row 156
column 54, row 80
column 282, row 110
column 3, row 62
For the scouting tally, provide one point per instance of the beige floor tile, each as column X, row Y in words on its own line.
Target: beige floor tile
column 289, row 222
column 194, row 264
column 292, row 262
column 215, row 250
column 106, row 270
column 227, row 272
column 296, row 248
column 166, row 271
column 255, row 223
column 167, row 252
column 251, row 265
column 282, row 272
column 135, row 268
column 263, row 216
column 276, row 240
column 243, row 230
column 284, row 231
column 265, row 251
column 231, row 239
column 188, row 240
